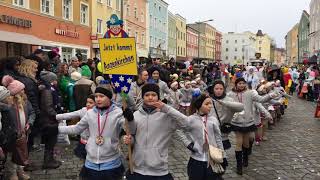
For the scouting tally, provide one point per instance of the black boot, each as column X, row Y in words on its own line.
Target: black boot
column 239, row 162
column 49, row 162
column 246, row 157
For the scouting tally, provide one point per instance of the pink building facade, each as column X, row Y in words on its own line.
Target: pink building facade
column 218, row 46
column 192, row 43
column 135, row 18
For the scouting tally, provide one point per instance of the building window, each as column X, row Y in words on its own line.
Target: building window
column 235, row 58
column 260, row 42
column 242, row 57
column 84, row 14
column 235, row 49
column 118, row 5
column 109, row 3
column 142, row 17
column 99, row 26
column 67, row 9
column 227, row 49
column 184, row 36
column 155, row 5
column 243, row 41
column 155, row 23
column 99, row 1
column 135, row 13
column 236, row 41
column 227, row 41
column 128, row 10
column 227, row 57
column 242, row 49
column 260, row 48
column 21, row 3
column 159, row 8
column 184, row 51
column 47, row 7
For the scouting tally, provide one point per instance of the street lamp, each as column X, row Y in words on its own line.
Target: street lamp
column 199, row 23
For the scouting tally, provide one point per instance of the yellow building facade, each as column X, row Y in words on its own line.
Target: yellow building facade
column 263, row 45
column 210, row 33
column 101, row 12
column 181, row 32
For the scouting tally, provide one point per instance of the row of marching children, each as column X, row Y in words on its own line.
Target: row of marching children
column 202, row 117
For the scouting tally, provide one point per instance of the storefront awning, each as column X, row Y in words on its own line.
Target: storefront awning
column 22, row 38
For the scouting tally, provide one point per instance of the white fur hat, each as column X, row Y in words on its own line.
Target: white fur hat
column 75, row 76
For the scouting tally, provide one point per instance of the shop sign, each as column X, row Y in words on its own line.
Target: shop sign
column 67, row 33
column 15, row 21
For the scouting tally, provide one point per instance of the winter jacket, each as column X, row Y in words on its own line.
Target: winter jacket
column 164, row 89
column 174, row 98
column 186, row 97
column 48, row 106
column 8, row 133
column 226, row 108
column 76, row 114
column 82, row 89
column 32, row 92
column 29, row 114
column 109, row 150
column 245, row 118
column 152, row 135
column 194, row 130
column 135, row 99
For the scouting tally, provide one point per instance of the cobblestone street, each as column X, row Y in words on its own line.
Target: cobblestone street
column 292, row 152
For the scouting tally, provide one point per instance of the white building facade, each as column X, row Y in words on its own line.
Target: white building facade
column 314, row 35
column 238, row 48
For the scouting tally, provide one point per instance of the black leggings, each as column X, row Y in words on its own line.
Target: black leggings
column 137, row 176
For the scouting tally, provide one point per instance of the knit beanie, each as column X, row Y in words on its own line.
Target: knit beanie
column 4, row 93
column 75, row 76
column 198, row 100
column 150, row 87
column 104, row 91
column 153, row 69
column 239, row 80
column 12, row 85
column 86, row 72
column 48, row 76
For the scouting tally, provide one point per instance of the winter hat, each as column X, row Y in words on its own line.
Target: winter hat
column 239, row 80
column 99, row 79
column 52, row 54
column 12, row 85
column 104, row 91
column 198, row 100
column 75, row 76
column 48, row 76
column 151, row 87
column 193, row 82
column 4, row 93
column 174, row 84
column 86, row 72
column 153, row 69
column 74, row 58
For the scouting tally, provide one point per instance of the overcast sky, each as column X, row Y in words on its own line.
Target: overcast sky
column 274, row 17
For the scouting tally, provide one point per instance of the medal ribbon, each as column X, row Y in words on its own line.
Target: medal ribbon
column 104, row 124
column 205, row 129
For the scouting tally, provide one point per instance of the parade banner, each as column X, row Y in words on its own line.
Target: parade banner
column 118, row 56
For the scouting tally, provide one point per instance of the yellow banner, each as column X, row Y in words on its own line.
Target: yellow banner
column 118, row 56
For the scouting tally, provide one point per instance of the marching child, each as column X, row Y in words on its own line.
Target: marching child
column 104, row 122
column 154, row 124
column 186, row 97
column 202, row 130
column 243, row 123
column 175, row 95
column 80, row 150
